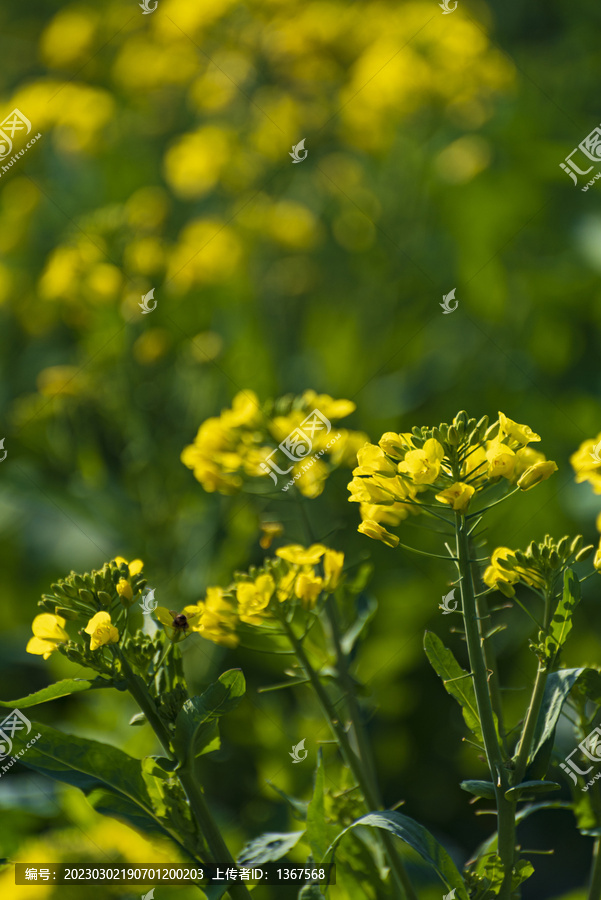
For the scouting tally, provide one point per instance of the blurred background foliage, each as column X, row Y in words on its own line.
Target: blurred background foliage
column 434, row 145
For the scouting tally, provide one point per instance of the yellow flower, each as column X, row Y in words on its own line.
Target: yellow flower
column 101, row 630
column 333, row 562
column 124, row 590
column 135, row 566
column 343, row 452
column 246, row 410
column 308, row 587
column 374, row 530
column 501, row 459
column 458, row 496
column 380, row 490
column 523, row 434
column 217, row 618
column 396, row 445
column 387, row 515
column 327, row 406
column 585, row 465
column 498, row 578
column 475, row 468
column 312, row 479
column 373, row 461
column 423, row 465
column 270, row 531
column 286, row 585
column 295, row 553
column 48, row 631
column 596, row 560
column 179, row 625
column 524, row 458
column 535, row 474
column 253, row 598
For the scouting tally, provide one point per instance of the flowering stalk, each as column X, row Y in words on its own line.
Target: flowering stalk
column 187, row 776
column 496, row 763
column 354, row 762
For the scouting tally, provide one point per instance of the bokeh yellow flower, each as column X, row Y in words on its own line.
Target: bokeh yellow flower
column 253, row 598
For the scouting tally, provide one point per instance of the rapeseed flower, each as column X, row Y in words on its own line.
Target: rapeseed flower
column 101, row 630
column 48, row 632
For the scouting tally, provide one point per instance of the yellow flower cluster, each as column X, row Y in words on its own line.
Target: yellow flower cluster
column 214, row 618
column 451, row 462
column 49, row 632
column 586, row 462
column 538, row 566
column 239, row 441
column 503, row 579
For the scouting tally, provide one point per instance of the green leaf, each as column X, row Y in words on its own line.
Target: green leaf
column 484, row 789
column 350, row 638
column 557, row 689
column 531, row 787
column 319, row 834
column 196, row 726
column 457, row 682
column 522, row 871
column 561, row 623
column 114, row 778
column 420, row 839
column 268, row 847
column 58, row 689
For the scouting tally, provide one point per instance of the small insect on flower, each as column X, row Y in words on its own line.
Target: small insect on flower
column 178, row 625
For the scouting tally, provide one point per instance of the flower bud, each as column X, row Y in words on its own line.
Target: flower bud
column 563, row 546
column 453, row 436
column 68, row 614
column 104, row 598
column 584, row 553
column 554, row 558
column 86, row 596
column 576, row 544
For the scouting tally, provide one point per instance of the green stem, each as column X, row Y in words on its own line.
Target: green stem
column 352, row 760
column 525, row 745
column 505, row 808
column 594, row 889
column 191, row 786
column 491, row 664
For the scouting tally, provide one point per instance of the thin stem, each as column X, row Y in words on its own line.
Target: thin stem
column 525, row 745
column 492, row 666
column 505, row 808
column 351, row 759
column 594, row 889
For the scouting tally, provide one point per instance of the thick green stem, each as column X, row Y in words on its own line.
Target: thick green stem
column 525, row 745
column 594, row 889
column 499, row 774
column 352, row 760
column 200, row 810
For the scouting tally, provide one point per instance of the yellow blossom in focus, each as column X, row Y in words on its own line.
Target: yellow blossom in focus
column 501, row 459
column 524, row 458
column 585, row 465
column 458, row 496
column 396, row 445
column 387, row 515
column 523, row 434
column 101, row 630
column 178, row 626
column 124, row 590
column 307, row 587
column 48, row 631
column 423, row 465
column 475, row 466
column 373, row 461
column 535, row 474
column 374, row 530
column 253, row 598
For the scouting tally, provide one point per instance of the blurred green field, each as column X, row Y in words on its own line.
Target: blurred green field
column 434, row 145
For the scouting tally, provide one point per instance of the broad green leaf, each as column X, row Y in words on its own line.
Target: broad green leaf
column 93, row 767
column 112, row 804
column 58, row 689
column 557, row 689
column 587, row 819
column 522, row 871
column 268, row 847
column 196, row 726
column 531, row 787
column 561, row 623
column 420, row 839
column 484, row 789
column 457, row 682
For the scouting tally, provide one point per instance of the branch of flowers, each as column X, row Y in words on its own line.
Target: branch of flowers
column 505, row 808
column 185, row 774
column 351, row 759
